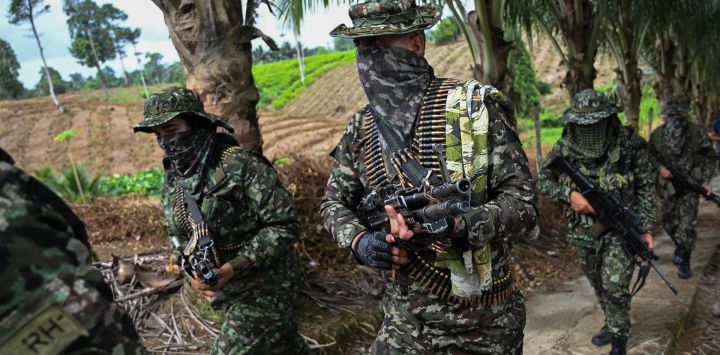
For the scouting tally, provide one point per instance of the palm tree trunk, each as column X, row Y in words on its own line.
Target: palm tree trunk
column 629, row 75
column 217, row 55
column 51, row 87
column 97, row 65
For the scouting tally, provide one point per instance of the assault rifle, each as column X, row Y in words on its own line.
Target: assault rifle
column 686, row 181
column 613, row 213
column 198, row 251
column 426, row 207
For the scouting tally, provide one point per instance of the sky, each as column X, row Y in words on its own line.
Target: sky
column 144, row 14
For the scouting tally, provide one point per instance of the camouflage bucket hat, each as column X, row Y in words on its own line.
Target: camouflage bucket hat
column 169, row 103
column 588, row 107
column 677, row 104
column 387, row 17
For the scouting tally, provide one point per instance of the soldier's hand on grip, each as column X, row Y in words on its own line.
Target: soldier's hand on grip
column 373, row 250
column 580, row 204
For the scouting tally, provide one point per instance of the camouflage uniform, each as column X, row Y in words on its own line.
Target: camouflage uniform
column 417, row 321
column 618, row 163
column 52, row 301
column 684, row 144
column 253, row 225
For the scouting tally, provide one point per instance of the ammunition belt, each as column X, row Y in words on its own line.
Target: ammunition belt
column 437, row 282
column 183, row 217
column 430, row 130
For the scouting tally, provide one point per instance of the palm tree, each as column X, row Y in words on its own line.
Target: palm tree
column 27, row 11
column 213, row 39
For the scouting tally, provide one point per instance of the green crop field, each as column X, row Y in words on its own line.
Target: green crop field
column 279, row 82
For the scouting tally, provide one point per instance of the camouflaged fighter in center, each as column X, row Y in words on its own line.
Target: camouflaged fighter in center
column 453, row 291
column 231, row 223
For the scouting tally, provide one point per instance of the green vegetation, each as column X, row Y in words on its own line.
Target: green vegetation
column 146, row 183
column 87, row 188
column 446, row 31
column 279, row 82
column 525, row 84
column 72, row 183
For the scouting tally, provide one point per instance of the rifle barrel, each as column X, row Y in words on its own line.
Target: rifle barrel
column 664, row 277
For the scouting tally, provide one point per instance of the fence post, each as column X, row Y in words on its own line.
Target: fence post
column 538, row 140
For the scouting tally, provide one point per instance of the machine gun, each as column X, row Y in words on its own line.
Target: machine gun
column 613, row 213
column 686, row 181
column 198, row 251
column 426, row 208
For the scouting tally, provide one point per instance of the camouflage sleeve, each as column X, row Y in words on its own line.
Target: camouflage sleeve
column 279, row 221
column 344, row 189
column 707, row 157
column 548, row 180
column 50, row 285
column 644, row 173
column 512, row 206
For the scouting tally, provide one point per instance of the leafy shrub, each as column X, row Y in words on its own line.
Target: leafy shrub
column 147, row 183
column 550, row 118
column 66, row 186
column 447, row 31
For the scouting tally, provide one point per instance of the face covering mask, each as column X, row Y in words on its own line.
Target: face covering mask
column 183, row 149
column 673, row 134
column 394, row 80
column 589, row 141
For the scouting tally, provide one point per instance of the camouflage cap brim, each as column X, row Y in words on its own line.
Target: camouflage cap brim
column 147, row 124
column 427, row 16
column 586, row 118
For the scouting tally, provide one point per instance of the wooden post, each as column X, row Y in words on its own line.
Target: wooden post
column 538, row 140
column 650, row 121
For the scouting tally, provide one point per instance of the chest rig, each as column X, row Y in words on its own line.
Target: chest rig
column 437, row 114
column 220, row 253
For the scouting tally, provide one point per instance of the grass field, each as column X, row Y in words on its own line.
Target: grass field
column 279, row 82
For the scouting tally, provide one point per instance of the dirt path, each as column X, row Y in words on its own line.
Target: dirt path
column 564, row 320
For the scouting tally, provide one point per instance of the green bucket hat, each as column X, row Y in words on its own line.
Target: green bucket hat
column 387, row 17
column 172, row 102
column 588, row 107
column 676, row 105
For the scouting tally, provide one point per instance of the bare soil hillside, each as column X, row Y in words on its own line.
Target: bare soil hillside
column 105, row 142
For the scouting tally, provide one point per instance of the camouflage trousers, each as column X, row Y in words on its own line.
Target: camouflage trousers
column 418, row 323
column 679, row 216
column 263, row 326
column 609, row 270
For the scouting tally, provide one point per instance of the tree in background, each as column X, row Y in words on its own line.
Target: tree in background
column 132, row 38
column 176, row 73
column 41, row 89
column 447, row 31
column 22, row 11
column 10, row 86
column 213, row 39
column 154, row 69
column 77, row 81
column 342, row 44
column 90, row 31
column 624, row 31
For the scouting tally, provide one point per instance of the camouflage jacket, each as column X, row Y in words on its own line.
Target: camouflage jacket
column 511, row 209
column 624, row 170
column 697, row 156
column 52, row 301
column 251, row 219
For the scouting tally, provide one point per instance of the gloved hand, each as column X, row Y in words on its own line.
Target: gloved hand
column 372, row 250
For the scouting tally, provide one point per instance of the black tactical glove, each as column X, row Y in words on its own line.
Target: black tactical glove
column 372, row 250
